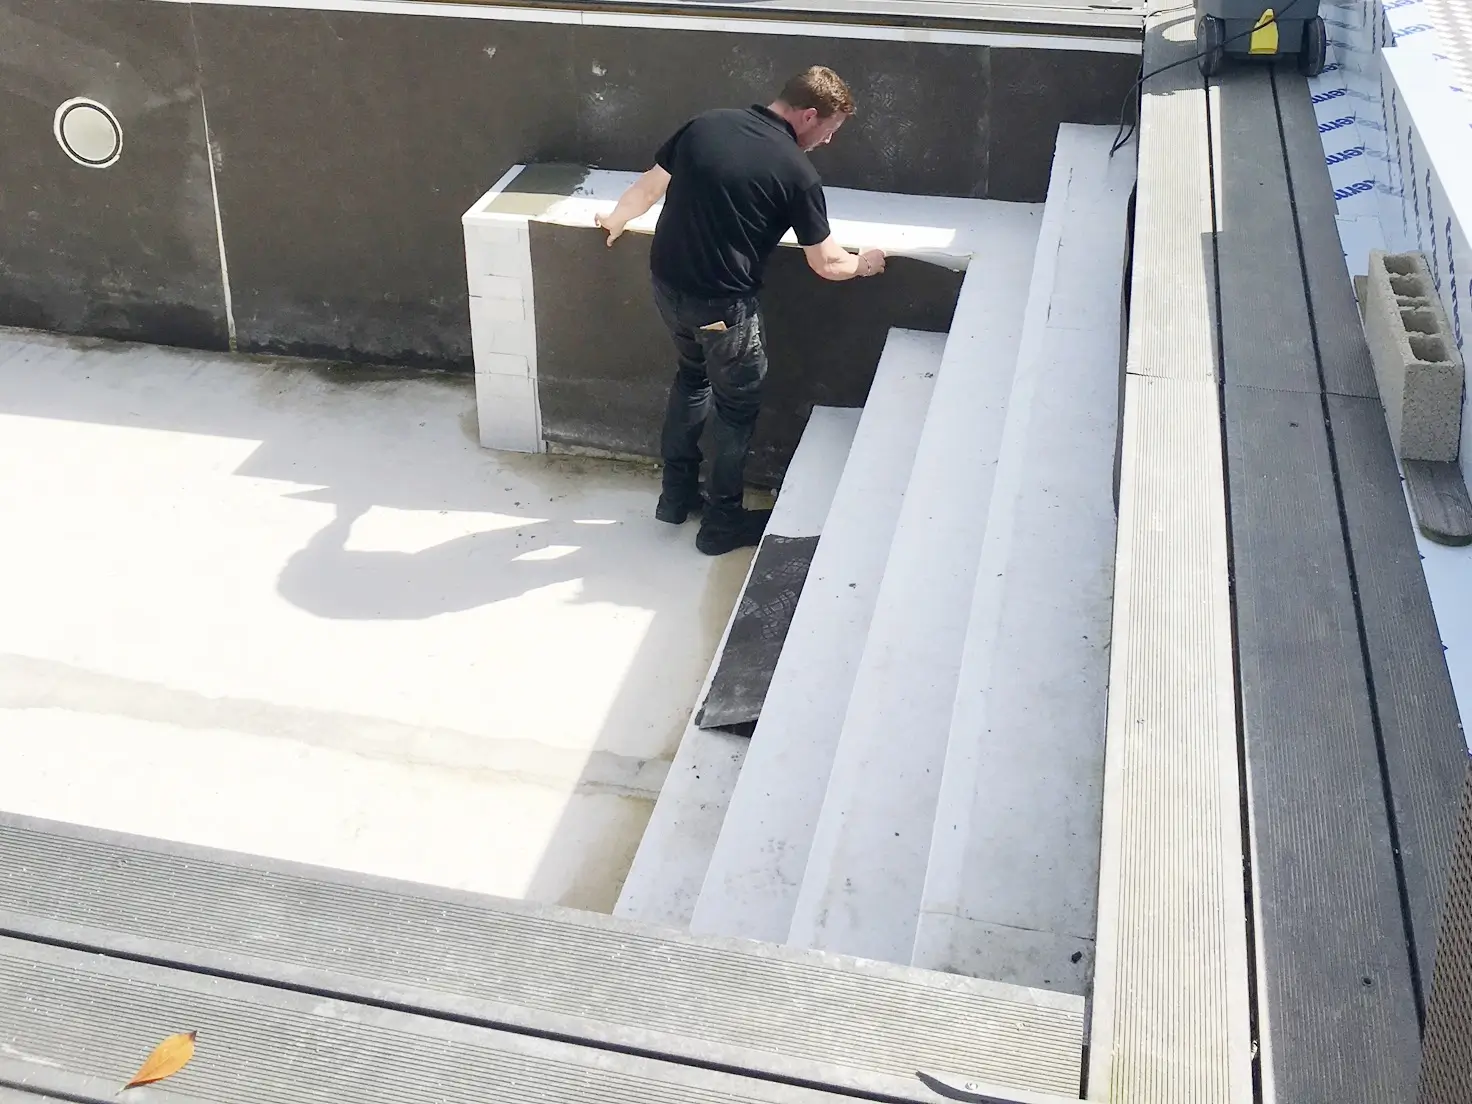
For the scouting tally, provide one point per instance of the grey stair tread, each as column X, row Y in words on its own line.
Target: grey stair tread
column 65, row 1014
column 1335, row 990
column 1439, row 500
column 784, row 1012
column 1171, row 1015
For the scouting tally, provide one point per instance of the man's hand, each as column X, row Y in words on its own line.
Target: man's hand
column 643, row 194
column 614, row 226
column 833, row 262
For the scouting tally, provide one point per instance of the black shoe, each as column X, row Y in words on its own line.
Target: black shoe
column 673, row 507
column 726, row 534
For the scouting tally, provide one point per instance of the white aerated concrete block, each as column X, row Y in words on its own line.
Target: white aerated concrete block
column 510, row 417
column 1417, row 366
column 497, row 250
column 500, row 329
column 503, row 334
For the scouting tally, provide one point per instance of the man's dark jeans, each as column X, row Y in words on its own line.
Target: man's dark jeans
column 722, row 357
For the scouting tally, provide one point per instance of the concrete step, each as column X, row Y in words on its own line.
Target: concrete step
column 308, row 985
column 1012, row 882
column 751, row 887
column 669, row 868
column 862, row 885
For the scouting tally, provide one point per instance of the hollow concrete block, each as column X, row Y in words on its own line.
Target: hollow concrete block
column 1417, row 367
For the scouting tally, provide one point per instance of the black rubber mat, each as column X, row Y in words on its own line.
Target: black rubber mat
column 763, row 616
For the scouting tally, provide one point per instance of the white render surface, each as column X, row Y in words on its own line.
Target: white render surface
column 503, row 334
column 1012, row 885
column 751, row 887
column 251, row 607
column 942, row 229
column 861, row 890
column 665, row 881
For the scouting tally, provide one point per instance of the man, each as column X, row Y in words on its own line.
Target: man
column 733, row 182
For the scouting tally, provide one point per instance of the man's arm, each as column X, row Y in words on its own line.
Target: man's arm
column 643, row 194
column 833, row 262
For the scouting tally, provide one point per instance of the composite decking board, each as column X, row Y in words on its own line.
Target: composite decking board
column 1264, row 325
column 1171, row 1019
column 1336, row 994
column 1439, row 500
column 1425, row 752
column 68, row 1015
column 1420, row 728
column 1344, row 354
column 1172, row 329
column 1336, row 1010
column 1344, row 691
column 530, row 968
column 1171, row 1014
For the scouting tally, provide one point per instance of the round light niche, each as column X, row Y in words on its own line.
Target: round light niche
column 88, row 133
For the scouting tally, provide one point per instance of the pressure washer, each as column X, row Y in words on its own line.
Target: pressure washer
column 1246, row 29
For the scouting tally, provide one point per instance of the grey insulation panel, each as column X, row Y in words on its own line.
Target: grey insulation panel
column 790, row 1014
column 66, row 1015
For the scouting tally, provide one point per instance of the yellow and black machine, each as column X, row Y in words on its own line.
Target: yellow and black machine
column 1248, row 29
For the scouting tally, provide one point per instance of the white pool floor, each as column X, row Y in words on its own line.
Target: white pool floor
column 261, row 606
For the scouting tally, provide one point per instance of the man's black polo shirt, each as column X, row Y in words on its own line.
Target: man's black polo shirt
column 738, row 182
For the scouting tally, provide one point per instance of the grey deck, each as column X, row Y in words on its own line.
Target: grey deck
column 84, row 1024
column 607, row 985
column 1349, row 728
column 1349, row 757
column 1171, row 1014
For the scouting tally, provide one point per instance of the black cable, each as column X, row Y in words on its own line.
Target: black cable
column 1121, row 139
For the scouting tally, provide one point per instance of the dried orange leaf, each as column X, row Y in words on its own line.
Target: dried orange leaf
column 167, row 1059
